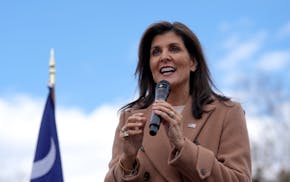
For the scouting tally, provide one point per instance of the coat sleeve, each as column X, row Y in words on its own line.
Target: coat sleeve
column 232, row 161
column 115, row 173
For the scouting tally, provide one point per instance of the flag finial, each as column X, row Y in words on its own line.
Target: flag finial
column 51, row 81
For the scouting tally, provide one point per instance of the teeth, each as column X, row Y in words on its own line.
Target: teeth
column 167, row 69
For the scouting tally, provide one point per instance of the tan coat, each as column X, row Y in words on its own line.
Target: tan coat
column 216, row 149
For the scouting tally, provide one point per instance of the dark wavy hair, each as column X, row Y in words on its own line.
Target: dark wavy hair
column 201, row 84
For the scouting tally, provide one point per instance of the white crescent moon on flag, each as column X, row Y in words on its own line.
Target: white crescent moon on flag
column 43, row 166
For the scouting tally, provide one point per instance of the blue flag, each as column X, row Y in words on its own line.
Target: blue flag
column 47, row 160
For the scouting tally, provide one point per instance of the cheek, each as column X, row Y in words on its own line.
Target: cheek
column 185, row 70
column 152, row 65
column 154, row 69
column 186, row 65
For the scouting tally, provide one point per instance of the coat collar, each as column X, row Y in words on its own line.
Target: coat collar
column 160, row 144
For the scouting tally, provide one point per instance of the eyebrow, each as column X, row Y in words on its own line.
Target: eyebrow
column 171, row 44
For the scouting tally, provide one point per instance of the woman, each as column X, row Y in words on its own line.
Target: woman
column 203, row 135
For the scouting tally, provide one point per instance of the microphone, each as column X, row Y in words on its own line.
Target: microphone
column 162, row 90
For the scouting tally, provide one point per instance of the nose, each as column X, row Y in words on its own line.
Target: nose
column 165, row 56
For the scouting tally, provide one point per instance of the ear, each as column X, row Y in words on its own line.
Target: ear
column 193, row 65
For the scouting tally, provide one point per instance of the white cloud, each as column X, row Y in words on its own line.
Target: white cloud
column 238, row 50
column 245, row 55
column 275, row 60
column 85, row 139
column 239, row 55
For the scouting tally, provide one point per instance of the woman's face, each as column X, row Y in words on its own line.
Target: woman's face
column 170, row 60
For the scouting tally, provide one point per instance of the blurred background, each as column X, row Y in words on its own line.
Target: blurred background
column 247, row 45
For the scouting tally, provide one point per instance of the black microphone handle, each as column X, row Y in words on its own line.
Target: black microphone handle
column 154, row 124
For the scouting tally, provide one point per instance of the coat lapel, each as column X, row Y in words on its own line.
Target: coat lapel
column 191, row 126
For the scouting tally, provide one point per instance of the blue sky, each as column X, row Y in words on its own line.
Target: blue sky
column 96, row 43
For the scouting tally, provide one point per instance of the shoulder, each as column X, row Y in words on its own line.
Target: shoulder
column 233, row 112
column 228, row 106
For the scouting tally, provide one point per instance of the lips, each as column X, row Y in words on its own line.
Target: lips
column 167, row 69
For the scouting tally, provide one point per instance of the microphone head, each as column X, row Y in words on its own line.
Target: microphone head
column 162, row 90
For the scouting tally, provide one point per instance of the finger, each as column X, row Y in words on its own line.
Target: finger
column 137, row 125
column 171, row 120
column 140, row 114
column 163, row 115
column 135, row 132
column 160, row 107
column 137, row 117
column 170, row 112
column 163, row 103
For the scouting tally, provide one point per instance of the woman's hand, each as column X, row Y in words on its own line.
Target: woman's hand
column 132, row 136
column 172, row 121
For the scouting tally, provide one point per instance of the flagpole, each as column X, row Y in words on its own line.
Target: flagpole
column 51, row 81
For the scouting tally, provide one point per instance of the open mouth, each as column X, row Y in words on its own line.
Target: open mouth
column 167, row 69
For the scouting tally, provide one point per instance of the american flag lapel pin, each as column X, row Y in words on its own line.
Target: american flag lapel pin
column 191, row 125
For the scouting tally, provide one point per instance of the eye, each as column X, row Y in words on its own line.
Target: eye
column 174, row 49
column 155, row 52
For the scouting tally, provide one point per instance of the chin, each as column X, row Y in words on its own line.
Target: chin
column 170, row 79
